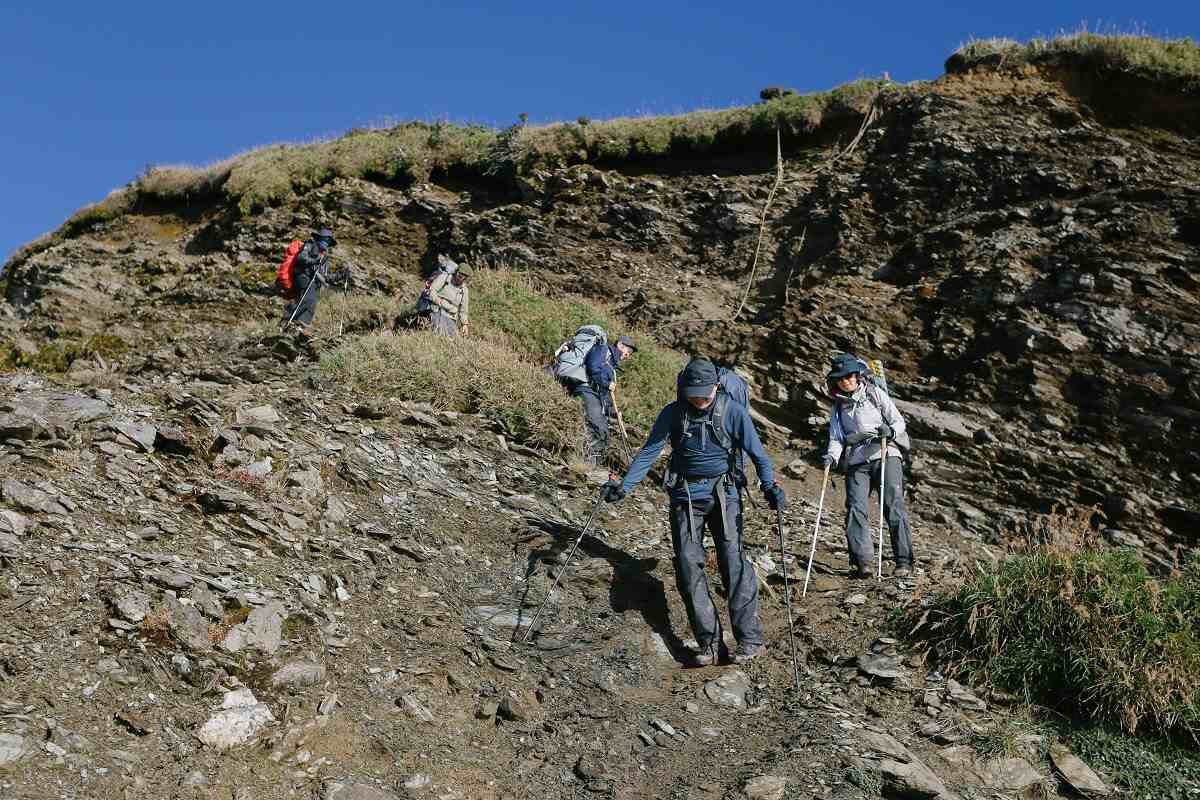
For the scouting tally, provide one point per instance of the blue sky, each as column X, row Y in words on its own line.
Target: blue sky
column 93, row 93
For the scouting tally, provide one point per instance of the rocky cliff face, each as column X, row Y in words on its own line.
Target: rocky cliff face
column 189, row 514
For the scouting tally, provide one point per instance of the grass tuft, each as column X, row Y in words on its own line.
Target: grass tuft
column 1170, row 61
column 1079, row 628
column 470, row 375
column 509, row 310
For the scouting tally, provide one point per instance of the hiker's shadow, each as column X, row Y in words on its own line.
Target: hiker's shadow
column 634, row 586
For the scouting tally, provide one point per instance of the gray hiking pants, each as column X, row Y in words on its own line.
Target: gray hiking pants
column 305, row 304
column 737, row 575
column 595, row 414
column 443, row 323
column 861, row 480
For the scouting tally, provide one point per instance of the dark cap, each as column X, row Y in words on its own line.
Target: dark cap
column 326, row 235
column 845, row 364
column 628, row 342
column 698, row 378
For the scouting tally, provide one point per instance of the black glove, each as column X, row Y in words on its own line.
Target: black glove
column 826, row 460
column 775, row 497
column 885, row 430
column 612, row 491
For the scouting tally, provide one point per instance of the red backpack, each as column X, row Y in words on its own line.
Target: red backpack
column 283, row 275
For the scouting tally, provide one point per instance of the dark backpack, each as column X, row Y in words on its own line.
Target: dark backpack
column 424, row 301
column 732, row 389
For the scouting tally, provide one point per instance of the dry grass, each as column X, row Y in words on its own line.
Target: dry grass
column 1173, row 62
column 469, row 375
column 509, row 310
column 1071, row 625
column 348, row 313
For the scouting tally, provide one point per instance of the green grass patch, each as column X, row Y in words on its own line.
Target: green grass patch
column 470, row 375
column 1148, row 769
column 1171, row 61
column 507, row 308
column 1085, row 630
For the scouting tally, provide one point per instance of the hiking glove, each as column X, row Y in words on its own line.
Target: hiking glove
column 885, row 430
column 775, row 497
column 612, row 491
column 826, row 460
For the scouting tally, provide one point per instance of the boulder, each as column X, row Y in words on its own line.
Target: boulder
column 262, row 630
column 239, row 720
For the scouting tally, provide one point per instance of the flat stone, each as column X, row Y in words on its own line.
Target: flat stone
column 29, row 498
column 885, row 667
column 356, row 791
column 519, row 706
column 14, row 748
column 139, row 435
column 297, row 675
column 58, row 412
column 883, row 744
column 13, row 426
column 729, row 690
column 14, row 523
column 1000, row 774
column 964, row 697
column 257, row 415
column 1077, row 774
column 765, row 787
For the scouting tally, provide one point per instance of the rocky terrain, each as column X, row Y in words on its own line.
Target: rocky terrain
column 226, row 577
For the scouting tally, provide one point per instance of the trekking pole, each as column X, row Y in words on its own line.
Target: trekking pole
column 612, row 391
column 882, row 484
column 566, row 563
column 299, row 303
column 812, row 552
column 787, row 597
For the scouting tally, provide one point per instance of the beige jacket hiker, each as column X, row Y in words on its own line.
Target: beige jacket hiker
column 455, row 301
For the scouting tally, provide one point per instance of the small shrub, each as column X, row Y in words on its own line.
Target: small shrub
column 464, row 374
column 156, row 626
column 1079, row 628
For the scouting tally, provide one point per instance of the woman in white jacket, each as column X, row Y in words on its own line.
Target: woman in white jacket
column 862, row 414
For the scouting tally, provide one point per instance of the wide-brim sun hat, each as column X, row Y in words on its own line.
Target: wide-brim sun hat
column 843, row 365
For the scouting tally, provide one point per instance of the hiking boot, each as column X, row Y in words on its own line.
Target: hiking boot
column 861, row 572
column 902, row 571
column 705, row 656
column 746, row 653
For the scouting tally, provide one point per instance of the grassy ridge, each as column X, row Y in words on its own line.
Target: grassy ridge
column 1082, row 629
column 1174, row 62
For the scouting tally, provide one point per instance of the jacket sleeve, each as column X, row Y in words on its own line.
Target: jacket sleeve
column 464, row 308
column 745, row 432
column 599, row 367
column 837, row 437
column 655, row 442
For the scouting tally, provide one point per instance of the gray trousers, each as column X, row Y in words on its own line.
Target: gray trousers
column 737, row 574
column 443, row 323
column 861, row 480
column 305, row 304
column 595, row 414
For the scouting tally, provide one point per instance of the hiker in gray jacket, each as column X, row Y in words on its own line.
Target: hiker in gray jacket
column 863, row 414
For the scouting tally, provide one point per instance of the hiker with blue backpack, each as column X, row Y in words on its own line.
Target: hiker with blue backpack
column 709, row 428
column 586, row 365
column 864, row 417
